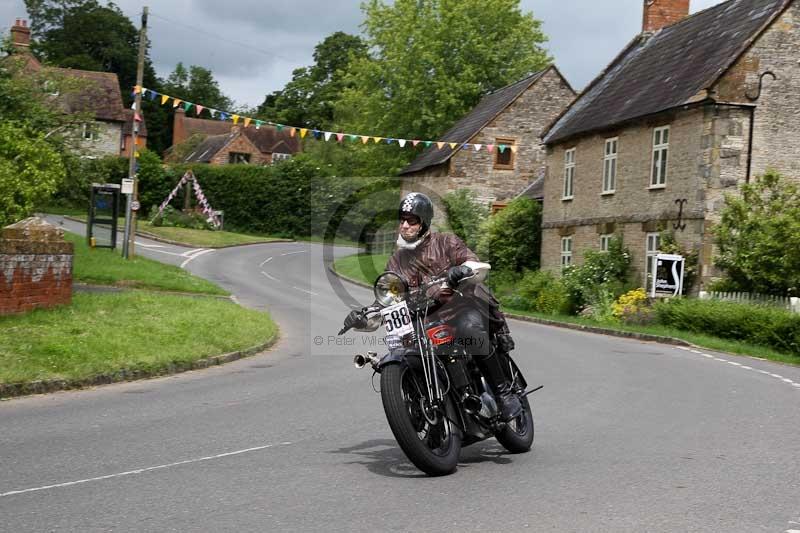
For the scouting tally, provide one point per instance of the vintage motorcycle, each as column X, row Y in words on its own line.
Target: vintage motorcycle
column 435, row 398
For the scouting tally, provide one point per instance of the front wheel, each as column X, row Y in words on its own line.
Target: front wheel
column 431, row 441
column 517, row 435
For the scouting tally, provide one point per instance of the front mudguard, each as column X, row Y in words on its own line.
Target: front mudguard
column 400, row 356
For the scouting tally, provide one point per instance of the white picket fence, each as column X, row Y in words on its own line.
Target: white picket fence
column 784, row 302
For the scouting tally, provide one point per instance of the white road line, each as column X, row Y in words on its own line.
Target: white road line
column 196, row 255
column 305, row 291
column 189, row 253
column 270, row 277
column 291, row 253
column 141, row 470
column 265, row 261
column 744, row 367
column 149, row 245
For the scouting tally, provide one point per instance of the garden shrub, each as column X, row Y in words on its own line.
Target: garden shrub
column 465, row 215
column 766, row 326
column 543, row 292
column 633, row 307
column 511, row 239
column 181, row 219
column 600, row 274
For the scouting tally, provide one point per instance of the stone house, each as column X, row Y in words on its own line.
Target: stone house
column 691, row 109
column 98, row 95
column 515, row 116
column 220, row 142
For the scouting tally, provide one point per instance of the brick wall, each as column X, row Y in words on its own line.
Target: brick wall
column 35, row 267
column 660, row 13
column 241, row 144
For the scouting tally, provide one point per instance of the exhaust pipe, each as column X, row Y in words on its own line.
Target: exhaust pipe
column 360, row 361
column 472, row 404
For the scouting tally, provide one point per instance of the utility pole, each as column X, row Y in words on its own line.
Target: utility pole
column 130, row 213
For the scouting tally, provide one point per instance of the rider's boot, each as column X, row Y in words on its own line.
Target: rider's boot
column 507, row 399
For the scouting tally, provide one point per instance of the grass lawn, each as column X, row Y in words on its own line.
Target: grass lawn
column 107, row 267
column 198, row 237
column 103, row 333
column 361, row 267
column 357, row 267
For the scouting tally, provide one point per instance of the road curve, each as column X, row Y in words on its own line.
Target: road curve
column 631, row 436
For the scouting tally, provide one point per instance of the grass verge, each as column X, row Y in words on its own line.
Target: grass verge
column 361, row 267
column 138, row 331
column 356, row 266
column 107, row 267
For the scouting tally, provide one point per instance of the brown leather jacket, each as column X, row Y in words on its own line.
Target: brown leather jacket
column 432, row 258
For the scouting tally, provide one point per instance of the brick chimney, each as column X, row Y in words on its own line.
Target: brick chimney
column 21, row 35
column 660, row 13
column 178, row 128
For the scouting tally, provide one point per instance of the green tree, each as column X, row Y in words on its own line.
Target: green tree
column 511, row 239
column 431, row 61
column 759, row 236
column 465, row 215
column 310, row 98
column 196, row 85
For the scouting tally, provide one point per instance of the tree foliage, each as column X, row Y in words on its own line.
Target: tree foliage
column 465, row 215
column 511, row 239
column 197, row 84
column 431, row 61
column 309, row 99
column 759, row 236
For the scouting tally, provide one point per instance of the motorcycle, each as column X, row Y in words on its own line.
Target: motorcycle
column 435, row 397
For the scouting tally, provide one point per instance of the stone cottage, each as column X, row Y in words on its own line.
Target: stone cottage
column 98, row 95
column 515, row 116
column 691, row 109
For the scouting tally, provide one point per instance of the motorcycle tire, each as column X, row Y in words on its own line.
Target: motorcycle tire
column 517, row 435
column 401, row 394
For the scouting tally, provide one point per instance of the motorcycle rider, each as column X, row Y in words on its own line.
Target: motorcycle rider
column 474, row 312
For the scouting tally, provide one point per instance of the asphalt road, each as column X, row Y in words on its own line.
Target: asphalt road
column 630, row 436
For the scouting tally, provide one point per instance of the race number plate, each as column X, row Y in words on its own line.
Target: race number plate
column 397, row 319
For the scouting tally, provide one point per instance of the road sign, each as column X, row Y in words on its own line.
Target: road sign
column 127, row 186
column 667, row 281
column 135, row 206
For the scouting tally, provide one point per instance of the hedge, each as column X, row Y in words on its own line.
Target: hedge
column 767, row 326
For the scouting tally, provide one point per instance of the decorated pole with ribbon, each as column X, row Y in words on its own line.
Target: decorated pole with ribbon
column 190, row 181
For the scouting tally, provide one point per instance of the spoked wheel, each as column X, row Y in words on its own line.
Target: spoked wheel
column 517, row 436
column 430, row 440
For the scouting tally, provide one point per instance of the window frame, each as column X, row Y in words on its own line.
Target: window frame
column 650, row 255
column 660, row 148
column 88, row 132
column 511, row 156
column 605, row 241
column 610, row 160
column 566, row 251
column 279, row 156
column 232, row 155
column 569, row 174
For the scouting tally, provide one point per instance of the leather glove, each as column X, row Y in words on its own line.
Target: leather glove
column 456, row 274
column 356, row 319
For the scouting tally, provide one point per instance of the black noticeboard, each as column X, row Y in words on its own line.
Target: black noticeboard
column 667, row 276
column 101, row 231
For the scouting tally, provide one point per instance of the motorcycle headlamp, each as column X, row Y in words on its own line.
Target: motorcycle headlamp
column 390, row 288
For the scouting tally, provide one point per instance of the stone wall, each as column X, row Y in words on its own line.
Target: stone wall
column 107, row 141
column 777, row 113
column 35, row 265
column 523, row 122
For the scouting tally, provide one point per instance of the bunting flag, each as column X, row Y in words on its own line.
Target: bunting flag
column 317, row 134
column 202, row 201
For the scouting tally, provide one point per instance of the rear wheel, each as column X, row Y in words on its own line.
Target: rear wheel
column 429, row 439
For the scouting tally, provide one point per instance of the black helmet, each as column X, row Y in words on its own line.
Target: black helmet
column 419, row 205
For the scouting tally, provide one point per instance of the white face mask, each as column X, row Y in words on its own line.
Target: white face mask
column 406, row 245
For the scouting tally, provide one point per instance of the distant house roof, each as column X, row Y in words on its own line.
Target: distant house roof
column 672, row 67
column 462, row 131
column 205, row 126
column 99, row 94
column 268, row 140
column 534, row 190
column 207, row 149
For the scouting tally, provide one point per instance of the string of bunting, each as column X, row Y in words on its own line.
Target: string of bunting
column 302, row 132
column 206, row 209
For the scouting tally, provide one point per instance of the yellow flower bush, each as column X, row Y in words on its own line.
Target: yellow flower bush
column 631, row 305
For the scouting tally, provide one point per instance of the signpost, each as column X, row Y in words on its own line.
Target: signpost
column 667, row 280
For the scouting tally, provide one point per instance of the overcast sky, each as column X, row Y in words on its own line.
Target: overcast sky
column 252, row 46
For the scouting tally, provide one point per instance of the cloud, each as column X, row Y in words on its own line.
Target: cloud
column 253, row 46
